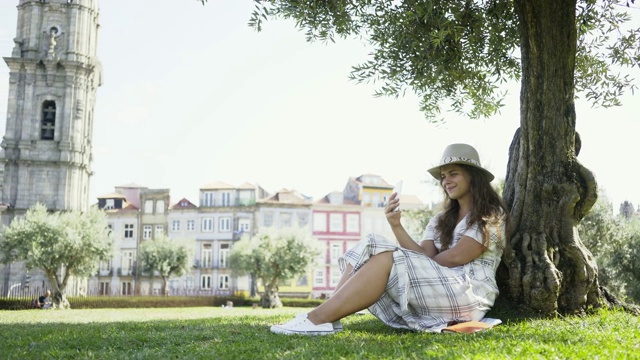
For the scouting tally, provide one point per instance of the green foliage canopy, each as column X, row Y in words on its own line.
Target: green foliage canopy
column 461, row 50
column 166, row 256
column 275, row 254
column 74, row 241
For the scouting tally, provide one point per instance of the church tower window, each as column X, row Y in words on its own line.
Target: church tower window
column 48, row 124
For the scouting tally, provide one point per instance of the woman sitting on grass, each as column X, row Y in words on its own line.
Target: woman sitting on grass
column 448, row 277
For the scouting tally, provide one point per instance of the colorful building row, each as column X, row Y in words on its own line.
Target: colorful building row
column 224, row 215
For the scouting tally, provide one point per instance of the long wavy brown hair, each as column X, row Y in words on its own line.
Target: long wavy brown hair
column 487, row 208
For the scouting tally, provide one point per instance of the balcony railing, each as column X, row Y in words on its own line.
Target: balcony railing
column 105, row 273
column 198, row 264
column 237, row 203
column 126, row 271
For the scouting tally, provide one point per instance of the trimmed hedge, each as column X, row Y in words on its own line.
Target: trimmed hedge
column 103, row 302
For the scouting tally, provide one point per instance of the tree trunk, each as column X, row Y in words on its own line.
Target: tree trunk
column 270, row 298
column 547, row 190
column 165, row 290
column 58, row 296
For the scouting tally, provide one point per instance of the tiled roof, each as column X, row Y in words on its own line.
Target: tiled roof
column 113, row 195
column 126, row 208
column 179, row 205
column 246, row 185
column 218, row 185
column 381, row 184
column 132, row 186
column 286, row 196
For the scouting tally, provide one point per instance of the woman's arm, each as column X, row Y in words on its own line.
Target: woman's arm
column 463, row 252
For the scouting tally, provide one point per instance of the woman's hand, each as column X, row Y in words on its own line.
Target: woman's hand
column 393, row 216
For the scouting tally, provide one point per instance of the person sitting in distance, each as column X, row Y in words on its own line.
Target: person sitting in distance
column 44, row 301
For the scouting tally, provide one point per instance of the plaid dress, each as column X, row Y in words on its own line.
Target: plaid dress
column 425, row 296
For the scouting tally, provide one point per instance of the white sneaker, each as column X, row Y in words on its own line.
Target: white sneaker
column 337, row 326
column 302, row 326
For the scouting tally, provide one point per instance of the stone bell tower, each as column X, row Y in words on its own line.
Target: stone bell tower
column 53, row 77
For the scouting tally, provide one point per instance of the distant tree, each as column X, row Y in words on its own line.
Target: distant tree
column 272, row 256
column 62, row 244
column 628, row 259
column 456, row 53
column 168, row 257
column 417, row 220
column 627, row 210
column 604, row 235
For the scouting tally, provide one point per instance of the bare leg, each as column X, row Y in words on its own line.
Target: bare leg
column 359, row 292
column 346, row 275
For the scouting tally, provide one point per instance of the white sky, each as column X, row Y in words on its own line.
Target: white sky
column 192, row 95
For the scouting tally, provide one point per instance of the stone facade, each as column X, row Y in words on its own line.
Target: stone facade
column 53, row 77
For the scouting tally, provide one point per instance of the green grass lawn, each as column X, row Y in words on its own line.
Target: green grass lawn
column 243, row 333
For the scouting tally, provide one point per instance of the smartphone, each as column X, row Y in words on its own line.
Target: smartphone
column 398, row 189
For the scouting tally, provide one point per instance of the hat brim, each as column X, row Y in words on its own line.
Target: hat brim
column 435, row 171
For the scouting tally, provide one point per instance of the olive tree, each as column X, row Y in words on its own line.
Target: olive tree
column 61, row 244
column 605, row 236
column 167, row 257
column 274, row 255
column 460, row 51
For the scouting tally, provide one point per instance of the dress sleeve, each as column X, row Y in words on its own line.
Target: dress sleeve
column 474, row 232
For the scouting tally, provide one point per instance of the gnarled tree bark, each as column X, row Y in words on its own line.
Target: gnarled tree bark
column 547, row 189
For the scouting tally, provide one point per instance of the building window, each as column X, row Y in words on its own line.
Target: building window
column 104, row 288
column 376, row 200
column 207, row 224
column 302, row 281
column 268, row 220
column 191, row 225
column 366, row 199
column 128, row 231
column 335, row 223
column 127, row 262
column 175, row 225
column 223, row 283
column 207, row 198
column 146, row 232
column 336, row 252
column 353, row 223
column 244, row 225
column 224, row 224
column 320, row 222
column 105, row 266
column 108, row 204
column 206, row 255
column 285, row 219
column 160, row 207
column 226, row 199
column 48, row 124
column 159, row 230
column 222, row 257
column 148, row 207
column 126, row 288
column 303, row 219
column 190, row 282
column 205, row 282
column 318, row 277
